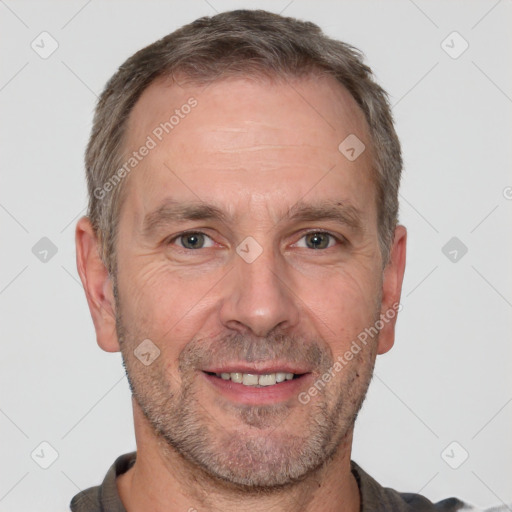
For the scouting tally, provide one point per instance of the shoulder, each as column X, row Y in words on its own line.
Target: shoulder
column 87, row 501
column 376, row 498
column 104, row 497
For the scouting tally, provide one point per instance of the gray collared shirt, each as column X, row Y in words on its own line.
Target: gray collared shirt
column 374, row 497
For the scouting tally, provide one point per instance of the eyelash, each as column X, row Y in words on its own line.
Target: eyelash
column 339, row 239
column 185, row 233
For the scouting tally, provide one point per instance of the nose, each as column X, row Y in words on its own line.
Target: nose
column 259, row 297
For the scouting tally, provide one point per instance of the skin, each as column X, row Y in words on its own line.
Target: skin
column 255, row 150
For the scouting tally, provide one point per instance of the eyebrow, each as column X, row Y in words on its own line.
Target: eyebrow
column 338, row 211
column 176, row 211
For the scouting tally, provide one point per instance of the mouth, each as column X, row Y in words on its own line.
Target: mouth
column 256, row 380
column 250, row 386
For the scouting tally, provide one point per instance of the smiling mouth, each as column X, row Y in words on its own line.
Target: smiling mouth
column 257, row 380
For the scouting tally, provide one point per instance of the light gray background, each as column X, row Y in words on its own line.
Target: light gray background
column 448, row 378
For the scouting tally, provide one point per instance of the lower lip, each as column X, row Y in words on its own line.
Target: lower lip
column 289, row 389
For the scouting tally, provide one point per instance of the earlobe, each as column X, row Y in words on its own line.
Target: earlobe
column 392, row 289
column 97, row 285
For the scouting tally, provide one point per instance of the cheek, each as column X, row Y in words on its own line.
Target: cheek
column 341, row 304
column 160, row 303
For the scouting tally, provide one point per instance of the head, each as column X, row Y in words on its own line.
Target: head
column 243, row 177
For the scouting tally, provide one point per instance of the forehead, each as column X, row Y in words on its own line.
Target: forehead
column 245, row 141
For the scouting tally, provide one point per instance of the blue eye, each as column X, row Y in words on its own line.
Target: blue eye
column 194, row 240
column 318, row 240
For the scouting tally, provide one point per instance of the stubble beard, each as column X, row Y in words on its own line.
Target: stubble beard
column 264, row 450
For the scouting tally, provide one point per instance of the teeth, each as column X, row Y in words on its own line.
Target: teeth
column 236, row 377
column 267, row 380
column 251, row 379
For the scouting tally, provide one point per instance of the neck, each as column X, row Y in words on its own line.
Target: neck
column 161, row 480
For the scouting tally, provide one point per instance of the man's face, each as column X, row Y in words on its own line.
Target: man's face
column 278, row 273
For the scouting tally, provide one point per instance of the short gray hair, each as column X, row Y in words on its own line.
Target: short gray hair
column 246, row 43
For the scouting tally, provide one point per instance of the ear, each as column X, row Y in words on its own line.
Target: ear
column 97, row 285
column 392, row 289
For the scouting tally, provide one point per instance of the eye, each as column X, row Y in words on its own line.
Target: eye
column 317, row 240
column 193, row 240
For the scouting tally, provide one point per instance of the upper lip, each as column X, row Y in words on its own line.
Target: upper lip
column 258, row 369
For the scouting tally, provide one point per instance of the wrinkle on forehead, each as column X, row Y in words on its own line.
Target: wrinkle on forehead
column 325, row 110
column 256, row 144
column 260, row 147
